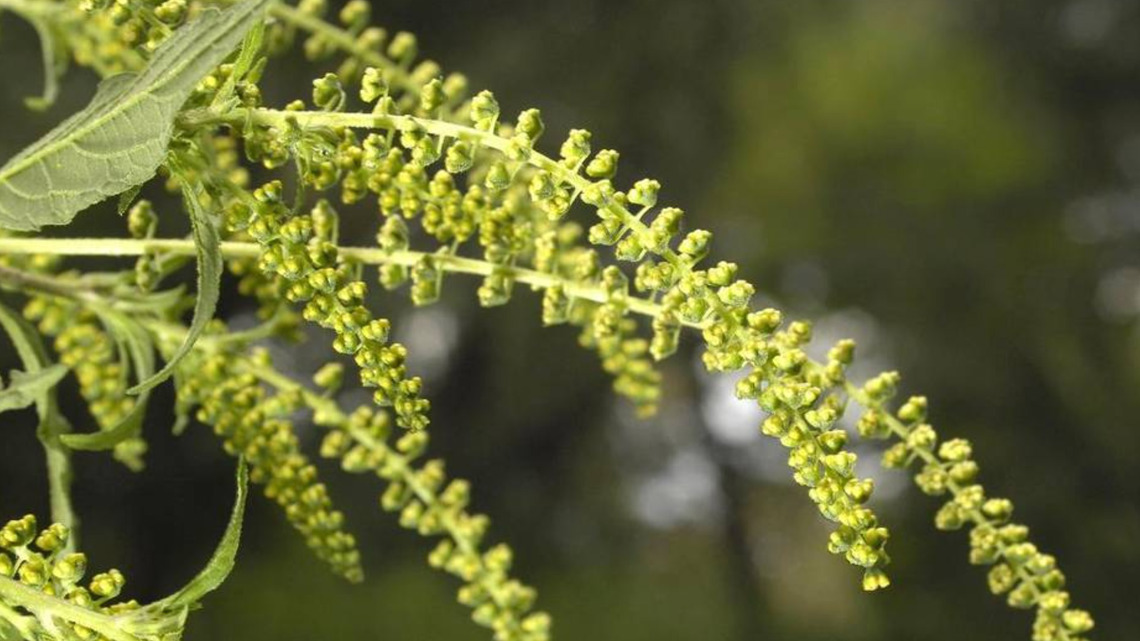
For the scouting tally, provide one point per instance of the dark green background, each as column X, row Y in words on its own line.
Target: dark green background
column 956, row 184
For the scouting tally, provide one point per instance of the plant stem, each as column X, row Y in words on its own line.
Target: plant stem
column 343, row 40
column 18, row 594
column 365, row 255
column 42, row 283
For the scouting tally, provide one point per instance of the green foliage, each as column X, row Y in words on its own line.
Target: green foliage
column 25, row 387
column 41, row 595
column 209, row 281
column 119, row 140
column 460, row 190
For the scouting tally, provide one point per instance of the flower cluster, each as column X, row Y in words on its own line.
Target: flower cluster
column 83, row 344
column 512, row 205
column 490, row 203
column 42, row 561
column 297, row 250
column 426, row 501
column 256, row 425
column 1028, row 577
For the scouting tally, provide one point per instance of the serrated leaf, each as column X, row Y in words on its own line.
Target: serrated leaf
column 120, row 138
column 225, row 555
column 166, row 618
column 25, row 387
column 207, row 243
column 137, row 344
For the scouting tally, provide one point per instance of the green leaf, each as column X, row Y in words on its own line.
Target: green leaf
column 225, row 555
column 52, row 425
column 135, row 340
column 120, row 138
column 207, row 243
column 26, row 387
column 247, row 56
column 127, row 198
column 166, row 618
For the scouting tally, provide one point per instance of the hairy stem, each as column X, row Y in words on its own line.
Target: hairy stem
column 16, row 593
column 365, row 255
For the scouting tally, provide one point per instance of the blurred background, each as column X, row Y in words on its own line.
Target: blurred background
column 955, row 184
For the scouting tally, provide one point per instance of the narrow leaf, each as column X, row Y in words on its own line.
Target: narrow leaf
column 55, row 64
column 127, row 198
column 207, row 243
column 247, row 55
column 120, row 138
column 26, row 387
column 222, row 562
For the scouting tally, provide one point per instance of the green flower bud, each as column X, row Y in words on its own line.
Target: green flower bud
column 1023, row 596
column 696, row 245
column 859, row 490
column 530, row 125
column 33, row 571
column 1077, row 621
column 542, row 186
column 949, row 517
column 432, row 96
column 955, row 450
column 765, row 321
column 70, row 568
column 460, row 156
column 833, row 441
column 484, row 110
column 896, row 456
column 843, row 463
column 998, row 509
column 555, row 306
column 875, row 579
column 914, row 410
column 964, row 472
column 603, row 165
column 107, row 585
column 498, row 177
column 426, row 278
column 1001, row 578
column 330, row 376
column 171, row 12
column 392, row 276
column 881, row 388
column 496, row 288
column 644, row 193
column 356, row 13
column 403, row 47
column 576, row 148
column 18, row 532
column 922, row 437
column 736, row 294
column 328, row 93
column 411, row 514
column 872, row 425
column 141, row 220
column 53, row 538
column 439, row 556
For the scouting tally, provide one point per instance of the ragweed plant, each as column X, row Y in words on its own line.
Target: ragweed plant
column 458, row 188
